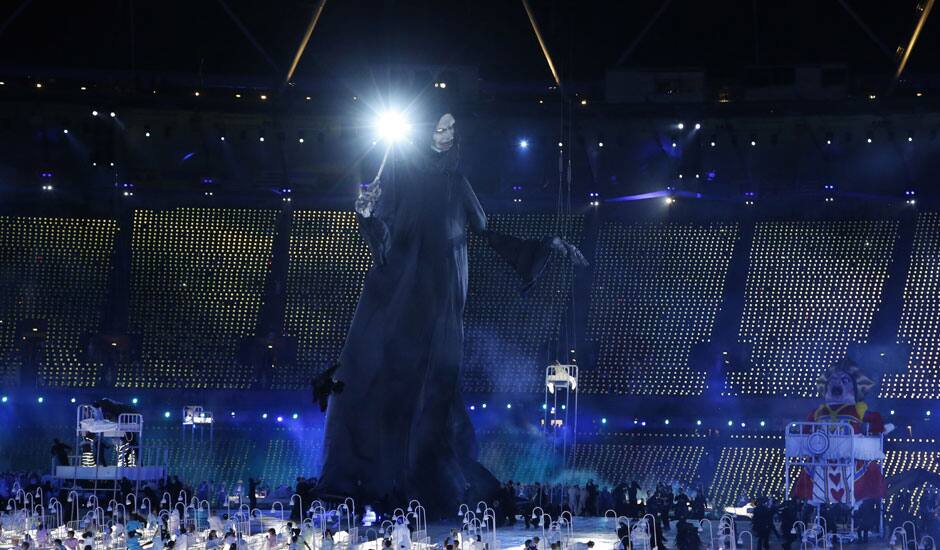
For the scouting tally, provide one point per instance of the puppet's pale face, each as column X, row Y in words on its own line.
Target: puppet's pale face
column 443, row 137
column 841, row 388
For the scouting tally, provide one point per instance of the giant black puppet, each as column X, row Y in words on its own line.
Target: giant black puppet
column 400, row 429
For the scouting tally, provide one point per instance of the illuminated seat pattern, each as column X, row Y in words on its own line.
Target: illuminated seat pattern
column 508, row 337
column 54, row 272
column 327, row 264
column 920, row 317
column 746, row 473
column 524, row 458
column 648, row 464
column 900, row 462
column 812, row 289
column 196, row 287
column 656, row 292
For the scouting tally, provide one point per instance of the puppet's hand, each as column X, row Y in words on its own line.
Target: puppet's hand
column 368, row 197
column 570, row 251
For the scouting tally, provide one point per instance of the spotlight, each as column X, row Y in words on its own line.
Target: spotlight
column 523, row 144
column 294, row 416
column 680, row 126
column 731, row 423
column 94, row 113
column 670, row 200
column 280, row 419
column 147, row 134
column 112, row 114
column 698, row 126
column 300, row 140
column 134, row 401
column 483, row 405
column 673, row 144
column 4, row 399
column 40, row 399
column 473, row 407
column 392, row 126
column 264, row 416
column 221, row 138
column 72, row 400
column 667, row 422
column 753, row 143
column 39, row 84
column 508, row 405
column 712, row 143
column 65, row 130
column 196, row 94
column 264, row 97
column 603, row 421
column 762, row 423
column 166, row 414
column 560, row 144
column 698, row 422
column 910, row 137
column 232, row 414
column 583, row 102
column 261, row 139
column 600, row 143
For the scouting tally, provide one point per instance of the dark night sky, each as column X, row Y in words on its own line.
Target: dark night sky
column 585, row 36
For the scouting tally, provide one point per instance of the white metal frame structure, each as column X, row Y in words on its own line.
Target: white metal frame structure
column 822, row 448
column 559, row 418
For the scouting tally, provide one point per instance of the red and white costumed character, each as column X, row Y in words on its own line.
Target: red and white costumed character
column 844, row 387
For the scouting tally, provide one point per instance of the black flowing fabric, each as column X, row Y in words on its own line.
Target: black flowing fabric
column 400, row 429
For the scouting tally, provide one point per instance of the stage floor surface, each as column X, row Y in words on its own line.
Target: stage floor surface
column 604, row 534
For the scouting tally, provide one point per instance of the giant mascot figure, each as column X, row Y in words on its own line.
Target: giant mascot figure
column 844, row 387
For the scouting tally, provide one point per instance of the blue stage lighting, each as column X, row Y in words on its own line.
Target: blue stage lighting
column 680, row 126
column 523, row 144
column 508, row 405
column 294, row 416
column 72, row 400
column 264, row 416
column 643, row 423
column 166, row 414
column 40, row 399
column 473, row 408
column 280, row 419
column 603, row 421
column 698, row 422
column 232, row 414
column 4, row 399
column 134, row 401
column 483, row 405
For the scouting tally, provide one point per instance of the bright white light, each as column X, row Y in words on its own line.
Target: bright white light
column 113, row 114
column 698, row 126
column 680, row 126
column 392, row 126
column 670, row 200
column 65, row 130
column 94, row 113
column 523, row 144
